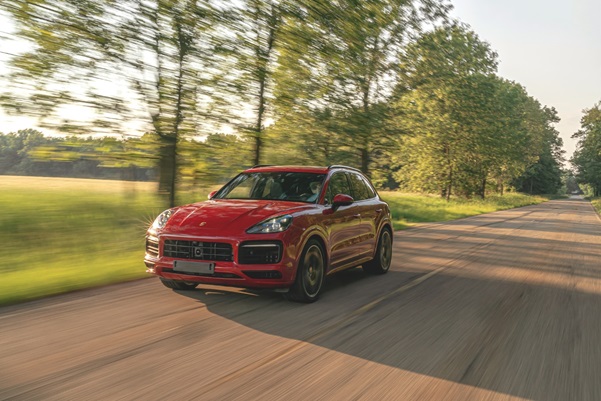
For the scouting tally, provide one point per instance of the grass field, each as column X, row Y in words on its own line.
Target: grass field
column 60, row 234
column 409, row 209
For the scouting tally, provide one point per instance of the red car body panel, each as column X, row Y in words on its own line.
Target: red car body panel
column 348, row 234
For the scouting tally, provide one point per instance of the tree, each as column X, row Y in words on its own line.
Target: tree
column 571, row 183
column 587, row 157
column 159, row 56
column 544, row 174
column 445, row 103
column 14, row 150
column 257, row 25
column 468, row 131
column 343, row 65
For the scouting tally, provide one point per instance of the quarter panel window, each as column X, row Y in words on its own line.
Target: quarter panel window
column 338, row 185
column 361, row 190
column 370, row 190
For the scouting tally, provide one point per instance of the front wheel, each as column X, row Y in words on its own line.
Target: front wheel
column 309, row 274
column 177, row 285
column 381, row 262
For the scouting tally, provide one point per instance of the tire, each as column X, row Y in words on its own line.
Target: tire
column 177, row 285
column 381, row 262
column 310, row 274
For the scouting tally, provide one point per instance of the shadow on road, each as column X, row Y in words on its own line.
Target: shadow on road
column 515, row 312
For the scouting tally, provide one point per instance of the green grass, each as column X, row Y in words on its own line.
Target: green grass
column 410, row 209
column 60, row 235
column 596, row 202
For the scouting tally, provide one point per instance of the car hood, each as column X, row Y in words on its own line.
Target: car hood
column 226, row 216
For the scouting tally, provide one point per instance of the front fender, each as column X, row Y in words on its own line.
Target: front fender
column 296, row 245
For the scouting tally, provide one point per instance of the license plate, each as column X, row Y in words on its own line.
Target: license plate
column 182, row 266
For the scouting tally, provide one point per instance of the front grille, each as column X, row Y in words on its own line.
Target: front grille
column 260, row 252
column 152, row 246
column 180, row 249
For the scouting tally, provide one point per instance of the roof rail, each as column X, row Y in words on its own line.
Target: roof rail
column 262, row 165
column 342, row 166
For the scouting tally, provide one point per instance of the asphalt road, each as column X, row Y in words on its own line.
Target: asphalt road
column 503, row 306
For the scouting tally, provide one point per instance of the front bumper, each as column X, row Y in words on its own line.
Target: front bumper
column 227, row 272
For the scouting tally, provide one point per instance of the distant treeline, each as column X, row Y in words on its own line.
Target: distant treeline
column 218, row 157
column 29, row 152
column 202, row 163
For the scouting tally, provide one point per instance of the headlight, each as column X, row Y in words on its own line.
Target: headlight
column 161, row 221
column 272, row 225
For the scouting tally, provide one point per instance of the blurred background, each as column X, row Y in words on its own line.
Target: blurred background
column 165, row 100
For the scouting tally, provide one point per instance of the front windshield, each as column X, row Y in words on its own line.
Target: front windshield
column 286, row 186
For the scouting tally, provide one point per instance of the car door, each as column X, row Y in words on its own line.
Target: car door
column 341, row 224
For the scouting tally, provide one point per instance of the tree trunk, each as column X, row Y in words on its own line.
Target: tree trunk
column 263, row 57
column 483, row 188
column 450, row 183
column 531, row 182
column 259, row 127
column 365, row 161
column 449, row 188
column 167, row 169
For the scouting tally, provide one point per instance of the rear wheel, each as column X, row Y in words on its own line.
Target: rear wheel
column 309, row 274
column 381, row 262
column 177, row 285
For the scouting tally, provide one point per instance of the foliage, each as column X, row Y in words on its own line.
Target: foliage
column 202, row 163
column 257, row 25
column 389, row 86
column 596, row 202
column 334, row 79
column 543, row 177
column 444, row 104
column 570, row 182
column 162, row 54
column 212, row 161
column 459, row 119
column 28, row 152
column 587, row 157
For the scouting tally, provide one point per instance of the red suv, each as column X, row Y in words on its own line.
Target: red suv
column 274, row 227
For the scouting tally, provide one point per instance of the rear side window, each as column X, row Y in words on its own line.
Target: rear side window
column 361, row 189
column 338, row 185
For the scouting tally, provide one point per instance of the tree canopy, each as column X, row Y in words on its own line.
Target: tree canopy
column 587, row 157
column 392, row 87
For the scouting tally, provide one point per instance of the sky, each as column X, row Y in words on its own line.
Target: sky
column 551, row 47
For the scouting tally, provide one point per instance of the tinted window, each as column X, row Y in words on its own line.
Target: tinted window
column 361, row 190
column 290, row 186
column 338, row 185
column 370, row 189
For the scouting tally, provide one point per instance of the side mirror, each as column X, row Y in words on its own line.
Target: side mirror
column 212, row 194
column 341, row 200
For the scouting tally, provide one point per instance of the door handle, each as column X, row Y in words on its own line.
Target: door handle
column 378, row 210
column 357, row 216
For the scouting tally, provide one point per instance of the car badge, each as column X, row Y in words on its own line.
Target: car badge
column 204, row 223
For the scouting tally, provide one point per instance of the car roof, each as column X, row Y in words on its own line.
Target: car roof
column 296, row 169
column 289, row 169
